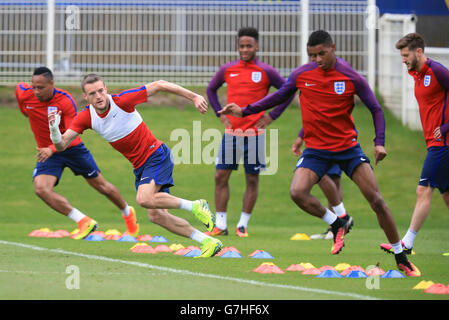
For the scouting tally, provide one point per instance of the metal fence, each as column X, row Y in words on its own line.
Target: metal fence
column 132, row 42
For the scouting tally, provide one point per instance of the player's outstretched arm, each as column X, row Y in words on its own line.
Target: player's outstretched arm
column 165, row 86
column 231, row 109
column 60, row 141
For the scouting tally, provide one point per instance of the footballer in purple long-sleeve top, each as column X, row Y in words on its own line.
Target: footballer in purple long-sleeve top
column 248, row 80
column 432, row 93
column 327, row 87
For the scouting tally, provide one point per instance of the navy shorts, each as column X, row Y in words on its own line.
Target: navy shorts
column 158, row 167
column 77, row 158
column 321, row 161
column 435, row 171
column 233, row 148
column 334, row 171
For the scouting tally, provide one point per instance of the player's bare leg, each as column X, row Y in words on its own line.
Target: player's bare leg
column 364, row 177
column 422, row 207
column 445, row 196
column 170, row 222
column 107, row 189
column 149, row 197
column 222, row 189
column 249, row 201
column 303, row 181
column 331, row 190
column 43, row 187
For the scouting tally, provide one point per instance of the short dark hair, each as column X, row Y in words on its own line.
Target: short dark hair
column 43, row 71
column 412, row 41
column 90, row 78
column 319, row 37
column 249, row 32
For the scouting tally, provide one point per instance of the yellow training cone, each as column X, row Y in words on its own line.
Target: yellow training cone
column 342, row 266
column 113, row 232
column 307, row 265
column 45, row 229
column 176, row 246
column 300, row 236
column 423, row 285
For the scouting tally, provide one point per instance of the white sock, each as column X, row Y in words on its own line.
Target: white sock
column 329, row 217
column 339, row 209
column 221, row 220
column 198, row 236
column 397, row 247
column 76, row 215
column 409, row 238
column 186, row 204
column 244, row 218
column 126, row 211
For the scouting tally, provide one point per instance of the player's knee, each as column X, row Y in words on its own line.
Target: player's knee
column 377, row 202
column 145, row 201
column 42, row 191
column 155, row 217
column 221, row 179
column 297, row 194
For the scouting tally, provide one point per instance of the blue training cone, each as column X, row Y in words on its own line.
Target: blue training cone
column 231, row 254
column 356, row 274
column 392, row 274
column 329, row 274
column 94, row 237
column 262, row 255
column 193, row 253
column 127, row 239
column 159, row 239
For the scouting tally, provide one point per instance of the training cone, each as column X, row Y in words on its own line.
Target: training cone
column 268, row 267
column 143, row 248
column 99, row 233
column 94, row 237
column 193, row 253
column 356, row 274
column 112, row 237
column 230, row 254
column 329, row 273
column 437, row 288
column 159, row 239
column 390, row 274
column 193, row 248
column 312, row 271
column 323, row 268
column 112, row 232
column 162, row 248
column 262, row 255
column 127, row 239
column 352, row 268
column 176, row 246
column 63, row 233
column 342, row 266
column 307, row 265
column 144, row 237
column 374, row 271
column 423, row 285
column 182, row 251
column 295, row 267
column 300, row 236
column 54, row 235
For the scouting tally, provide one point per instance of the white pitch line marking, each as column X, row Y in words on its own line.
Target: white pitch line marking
column 195, row 274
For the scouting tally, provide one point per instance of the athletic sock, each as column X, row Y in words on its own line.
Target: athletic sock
column 76, row 215
column 198, row 236
column 244, row 218
column 186, row 204
column 125, row 211
column 340, row 210
column 409, row 238
column 397, row 247
column 221, row 220
column 329, row 217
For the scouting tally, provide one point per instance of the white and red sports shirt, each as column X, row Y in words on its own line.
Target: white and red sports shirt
column 122, row 126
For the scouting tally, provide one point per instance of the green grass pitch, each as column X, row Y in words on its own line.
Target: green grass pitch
column 35, row 268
